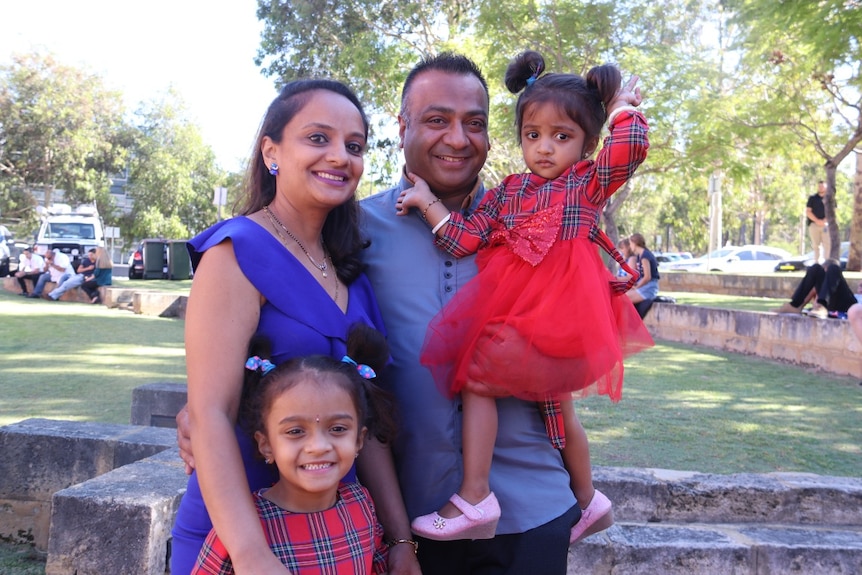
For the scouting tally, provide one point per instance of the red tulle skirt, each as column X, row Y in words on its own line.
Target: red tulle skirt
column 557, row 318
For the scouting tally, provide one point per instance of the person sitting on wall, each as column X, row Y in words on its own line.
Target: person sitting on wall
column 827, row 287
column 30, row 266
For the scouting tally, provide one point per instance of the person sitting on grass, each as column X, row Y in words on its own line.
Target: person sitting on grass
column 827, row 287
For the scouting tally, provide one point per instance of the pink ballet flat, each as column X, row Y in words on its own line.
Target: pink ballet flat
column 477, row 522
column 598, row 516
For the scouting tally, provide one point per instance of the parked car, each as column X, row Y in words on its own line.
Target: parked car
column 803, row 262
column 136, row 263
column 734, row 259
column 664, row 258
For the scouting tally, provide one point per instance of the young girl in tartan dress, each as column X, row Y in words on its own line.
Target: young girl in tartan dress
column 309, row 417
column 542, row 287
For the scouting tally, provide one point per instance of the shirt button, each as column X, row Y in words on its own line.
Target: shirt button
column 448, row 263
column 448, row 288
column 447, row 275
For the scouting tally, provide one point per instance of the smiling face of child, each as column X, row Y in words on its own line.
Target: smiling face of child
column 313, row 433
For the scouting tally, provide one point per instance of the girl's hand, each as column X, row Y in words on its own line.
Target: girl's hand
column 418, row 196
column 628, row 95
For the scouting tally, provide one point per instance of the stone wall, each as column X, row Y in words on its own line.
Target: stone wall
column 43, row 456
column 779, row 286
column 826, row 344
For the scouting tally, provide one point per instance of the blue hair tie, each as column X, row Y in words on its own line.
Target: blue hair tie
column 364, row 371
column 264, row 365
column 531, row 80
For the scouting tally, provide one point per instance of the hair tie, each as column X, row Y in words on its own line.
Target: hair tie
column 531, row 80
column 254, row 363
column 364, row 371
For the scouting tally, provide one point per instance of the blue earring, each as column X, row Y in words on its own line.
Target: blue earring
column 273, row 169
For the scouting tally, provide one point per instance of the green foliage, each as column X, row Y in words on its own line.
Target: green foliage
column 172, row 174
column 60, row 128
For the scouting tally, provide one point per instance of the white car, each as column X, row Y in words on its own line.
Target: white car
column 733, row 259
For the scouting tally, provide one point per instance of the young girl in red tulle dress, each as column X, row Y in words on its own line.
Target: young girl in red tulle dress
column 542, row 279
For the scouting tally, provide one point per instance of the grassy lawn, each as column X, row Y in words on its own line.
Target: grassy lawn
column 683, row 407
column 80, row 362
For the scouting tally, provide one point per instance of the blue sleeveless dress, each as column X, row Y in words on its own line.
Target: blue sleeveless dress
column 299, row 318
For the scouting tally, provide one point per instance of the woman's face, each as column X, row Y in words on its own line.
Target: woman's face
column 320, row 154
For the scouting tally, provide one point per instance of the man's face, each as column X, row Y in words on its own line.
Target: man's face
column 821, row 188
column 444, row 130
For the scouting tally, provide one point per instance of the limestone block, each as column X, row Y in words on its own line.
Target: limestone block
column 117, row 523
column 166, row 304
column 43, row 456
column 157, row 404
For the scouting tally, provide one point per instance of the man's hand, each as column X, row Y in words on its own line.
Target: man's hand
column 402, row 560
column 184, row 439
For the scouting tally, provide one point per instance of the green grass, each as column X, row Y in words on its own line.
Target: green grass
column 154, row 285
column 683, row 407
column 80, row 362
column 727, row 301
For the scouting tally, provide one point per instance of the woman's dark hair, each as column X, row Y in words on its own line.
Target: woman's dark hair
column 365, row 345
column 341, row 229
column 584, row 100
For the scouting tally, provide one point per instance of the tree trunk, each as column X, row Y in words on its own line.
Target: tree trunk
column 831, row 219
column 854, row 258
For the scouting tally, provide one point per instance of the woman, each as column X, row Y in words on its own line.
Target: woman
column 625, row 248
column 100, row 276
column 646, row 287
column 287, row 268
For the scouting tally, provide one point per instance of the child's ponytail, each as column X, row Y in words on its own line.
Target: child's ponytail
column 367, row 346
column 605, row 80
column 257, row 366
column 524, row 70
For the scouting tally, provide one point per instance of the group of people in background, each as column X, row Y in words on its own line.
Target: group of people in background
column 94, row 271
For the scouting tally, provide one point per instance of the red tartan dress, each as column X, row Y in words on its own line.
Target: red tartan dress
column 541, row 276
column 345, row 539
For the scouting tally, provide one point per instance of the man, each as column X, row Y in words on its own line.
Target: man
column 58, row 268
column 85, row 268
column 443, row 127
column 818, row 228
column 30, row 267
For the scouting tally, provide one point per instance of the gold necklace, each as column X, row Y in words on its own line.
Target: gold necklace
column 322, row 266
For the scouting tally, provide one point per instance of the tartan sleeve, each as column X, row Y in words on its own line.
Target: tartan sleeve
column 466, row 234
column 213, row 558
column 622, row 152
column 380, row 563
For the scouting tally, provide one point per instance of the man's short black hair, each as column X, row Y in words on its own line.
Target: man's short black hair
column 447, row 62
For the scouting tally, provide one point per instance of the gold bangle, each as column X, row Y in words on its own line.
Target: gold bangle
column 393, row 542
column 425, row 211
